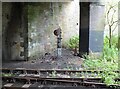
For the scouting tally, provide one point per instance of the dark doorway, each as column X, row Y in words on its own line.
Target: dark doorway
column 84, row 28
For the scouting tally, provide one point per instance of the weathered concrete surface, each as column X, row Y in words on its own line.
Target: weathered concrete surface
column 43, row 19
column 6, row 14
column 41, row 39
column 50, row 17
column 11, row 30
column 0, row 41
column 96, row 30
column 0, row 33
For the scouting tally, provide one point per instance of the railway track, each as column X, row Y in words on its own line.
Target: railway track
column 27, row 78
column 53, row 73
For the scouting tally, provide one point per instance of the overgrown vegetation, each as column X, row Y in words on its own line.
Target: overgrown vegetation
column 111, row 20
column 6, row 75
column 73, row 43
column 108, row 62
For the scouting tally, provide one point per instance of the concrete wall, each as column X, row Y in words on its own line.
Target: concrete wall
column 92, row 22
column 6, row 16
column 11, row 29
column 50, row 17
column 97, row 23
column 43, row 19
column 0, row 40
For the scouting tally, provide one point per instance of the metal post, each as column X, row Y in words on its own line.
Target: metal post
column 59, row 47
column 57, row 32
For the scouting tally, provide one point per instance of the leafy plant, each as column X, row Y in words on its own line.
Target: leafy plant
column 73, row 42
column 53, row 74
column 107, row 62
column 108, row 76
column 7, row 75
column 111, row 54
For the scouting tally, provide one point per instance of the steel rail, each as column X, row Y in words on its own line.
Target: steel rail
column 54, row 81
column 52, row 70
